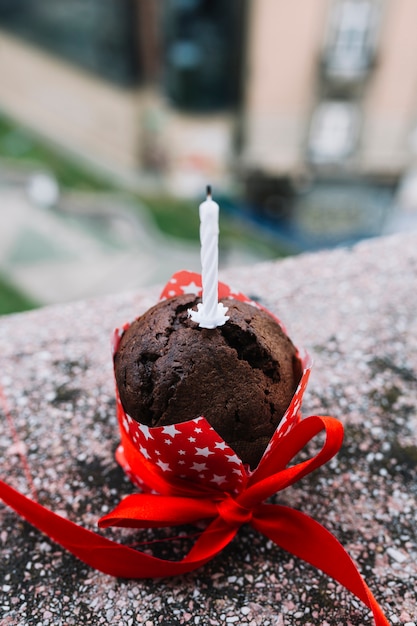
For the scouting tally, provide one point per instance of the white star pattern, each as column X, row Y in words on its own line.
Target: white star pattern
column 233, row 458
column 164, row 466
column 218, row 479
column 203, row 452
column 199, row 467
column 177, row 448
column 170, row 430
column 144, row 452
column 191, row 288
column 221, row 445
column 146, row 432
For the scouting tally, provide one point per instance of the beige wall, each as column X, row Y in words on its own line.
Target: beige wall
column 200, row 152
column 285, row 41
column 119, row 129
column 71, row 107
column 390, row 104
column 284, row 46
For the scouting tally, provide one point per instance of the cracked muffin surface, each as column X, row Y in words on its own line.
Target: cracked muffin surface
column 240, row 376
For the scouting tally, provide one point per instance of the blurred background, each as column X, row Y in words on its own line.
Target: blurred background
column 116, row 114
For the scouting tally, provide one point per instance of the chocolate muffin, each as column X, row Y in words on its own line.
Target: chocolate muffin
column 240, row 376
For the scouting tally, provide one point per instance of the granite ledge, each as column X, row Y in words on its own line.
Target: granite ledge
column 354, row 310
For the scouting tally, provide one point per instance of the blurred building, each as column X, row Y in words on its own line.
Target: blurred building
column 265, row 93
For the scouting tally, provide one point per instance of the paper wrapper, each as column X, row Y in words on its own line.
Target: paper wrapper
column 192, row 451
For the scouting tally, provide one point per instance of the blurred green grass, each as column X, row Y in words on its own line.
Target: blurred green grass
column 20, row 145
column 12, row 300
column 179, row 218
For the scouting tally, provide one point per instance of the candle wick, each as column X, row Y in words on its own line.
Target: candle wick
column 208, row 192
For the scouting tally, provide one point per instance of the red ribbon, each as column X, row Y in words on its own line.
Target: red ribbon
column 182, row 504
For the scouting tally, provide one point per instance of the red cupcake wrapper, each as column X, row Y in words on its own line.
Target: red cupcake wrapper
column 192, row 451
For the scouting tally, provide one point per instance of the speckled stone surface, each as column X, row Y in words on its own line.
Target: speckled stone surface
column 355, row 312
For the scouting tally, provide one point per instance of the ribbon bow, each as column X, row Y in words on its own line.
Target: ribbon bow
column 290, row 529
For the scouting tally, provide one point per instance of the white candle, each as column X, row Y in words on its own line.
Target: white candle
column 210, row 312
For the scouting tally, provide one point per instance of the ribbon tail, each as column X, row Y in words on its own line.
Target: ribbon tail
column 142, row 510
column 302, row 536
column 103, row 554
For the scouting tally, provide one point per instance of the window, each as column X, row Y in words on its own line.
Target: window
column 333, row 132
column 202, row 48
column 350, row 44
